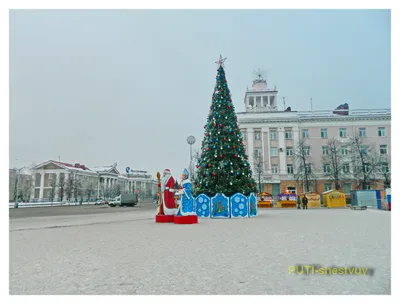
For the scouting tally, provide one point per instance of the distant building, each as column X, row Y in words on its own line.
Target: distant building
column 19, row 180
column 274, row 134
column 92, row 183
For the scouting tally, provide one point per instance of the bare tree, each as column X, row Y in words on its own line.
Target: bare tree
column 366, row 161
column 259, row 164
column 27, row 188
column 117, row 189
column 77, row 187
column 89, row 190
column 304, row 166
column 385, row 172
column 53, row 185
column 61, row 187
column 336, row 167
column 69, row 187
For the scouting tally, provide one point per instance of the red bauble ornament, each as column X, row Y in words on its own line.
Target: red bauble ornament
column 197, row 166
column 220, row 156
column 214, row 174
column 204, row 126
column 209, row 165
column 234, row 147
column 251, row 185
column 198, row 185
column 208, row 149
column 224, row 138
column 236, row 155
column 220, row 125
column 229, row 107
column 247, row 158
column 215, row 125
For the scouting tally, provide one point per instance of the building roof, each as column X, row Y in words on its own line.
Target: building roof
column 106, row 169
column 68, row 166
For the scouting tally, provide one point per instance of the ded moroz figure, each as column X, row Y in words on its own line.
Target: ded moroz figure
column 167, row 190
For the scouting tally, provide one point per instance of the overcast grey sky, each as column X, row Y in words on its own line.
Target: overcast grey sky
column 129, row 86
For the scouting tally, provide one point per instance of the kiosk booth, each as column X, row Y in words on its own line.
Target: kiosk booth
column 287, row 200
column 265, row 200
column 314, row 200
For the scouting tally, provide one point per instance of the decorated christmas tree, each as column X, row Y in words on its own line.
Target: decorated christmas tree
column 223, row 165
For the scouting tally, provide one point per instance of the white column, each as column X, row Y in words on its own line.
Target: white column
column 41, row 185
column 33, row 185
column 266, row 130
column 104, row 183
column 282, row 155
column 269, row 101
column 98, row 187
column 250, row 146
column 57, row 194
column 296, row 140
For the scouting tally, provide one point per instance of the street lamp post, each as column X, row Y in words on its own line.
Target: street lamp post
column 191, row 140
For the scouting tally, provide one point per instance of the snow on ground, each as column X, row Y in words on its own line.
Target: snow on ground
column 127, row 253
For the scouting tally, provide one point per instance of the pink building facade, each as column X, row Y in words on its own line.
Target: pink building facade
column 275, row 134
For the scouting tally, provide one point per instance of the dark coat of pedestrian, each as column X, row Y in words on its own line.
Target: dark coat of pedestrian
column 305, row 202
column 298, row 202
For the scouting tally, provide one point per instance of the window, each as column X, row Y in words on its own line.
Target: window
column 288, row 134
column 343, row 132
column 364, row 149
column 383, row 149
column 327, row 168
column 346, row 168
column 257, row 135
column 381, row 131
column 274, row 169
column 362, row 132
column 366, row 168
column 257, row 152
column 272, row 135
column 325, row 150
column 306, row 150
column 244, row 135
column 345, row 151
column 306, row 133
column 274, row 151
column 291, row 190
column 308, row 168
column 290, row 169
column 289, row 151
column 347, row 188
column 385, row 168
column 328, row 187
column 324, row 133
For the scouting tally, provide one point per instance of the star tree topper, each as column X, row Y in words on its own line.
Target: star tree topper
column 220, row 61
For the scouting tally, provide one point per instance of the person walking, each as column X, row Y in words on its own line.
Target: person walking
column 305, row 202
column 298, row 202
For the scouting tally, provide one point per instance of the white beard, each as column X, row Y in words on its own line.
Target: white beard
column 164, row 181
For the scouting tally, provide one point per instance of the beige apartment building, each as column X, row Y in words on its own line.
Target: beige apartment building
column 275, row 134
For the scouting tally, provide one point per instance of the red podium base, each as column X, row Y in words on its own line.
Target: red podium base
column 189, row 219
column 164, row 218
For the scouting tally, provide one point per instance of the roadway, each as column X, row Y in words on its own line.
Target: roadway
column 16, row 213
